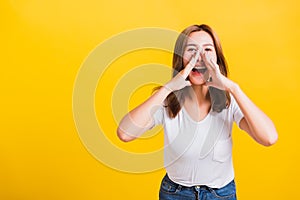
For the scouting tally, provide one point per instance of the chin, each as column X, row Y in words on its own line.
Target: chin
column 199, row 84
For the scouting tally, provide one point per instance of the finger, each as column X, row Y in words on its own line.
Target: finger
column 186, row 71
column 191, row 64
column 188, row 83
column 202, row 54
column 214, row 65
column 206, row 75
column 210, row 66
column 204, row 58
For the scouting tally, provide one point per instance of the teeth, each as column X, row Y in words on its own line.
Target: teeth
column 200, row 69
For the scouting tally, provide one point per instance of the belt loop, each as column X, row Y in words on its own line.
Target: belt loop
column 179, row 188
column 197, row 188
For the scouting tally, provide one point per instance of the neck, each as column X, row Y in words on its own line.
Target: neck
column 199, row 93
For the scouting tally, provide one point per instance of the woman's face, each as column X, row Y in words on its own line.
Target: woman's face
column 199, row 41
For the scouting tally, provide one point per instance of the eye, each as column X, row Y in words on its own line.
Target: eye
column 192, row 50
column 208, row 49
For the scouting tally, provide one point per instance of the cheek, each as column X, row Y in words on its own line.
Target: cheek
column 212, row 55
column 185, row 61
column 215, row 57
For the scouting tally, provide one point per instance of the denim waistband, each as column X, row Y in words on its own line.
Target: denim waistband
column 195, row 187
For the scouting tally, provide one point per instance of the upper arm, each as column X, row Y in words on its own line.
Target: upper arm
column 130, row 131
column 124, row 136
column 245, row 127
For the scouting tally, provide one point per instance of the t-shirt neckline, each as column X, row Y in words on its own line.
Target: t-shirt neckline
column 192, row 120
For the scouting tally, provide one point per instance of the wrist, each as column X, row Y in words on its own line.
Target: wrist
column 167, row 89
column 231, row 87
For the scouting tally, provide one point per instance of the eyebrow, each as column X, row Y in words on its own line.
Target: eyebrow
column 208, row 44
column 195, row 45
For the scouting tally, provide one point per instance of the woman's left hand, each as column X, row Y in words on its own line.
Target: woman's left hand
column 255, row 122
column 217, row 79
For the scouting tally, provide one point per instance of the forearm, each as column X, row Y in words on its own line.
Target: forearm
column 140, row 119
column 258, row 124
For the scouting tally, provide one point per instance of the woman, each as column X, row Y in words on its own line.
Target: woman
column 197, row 108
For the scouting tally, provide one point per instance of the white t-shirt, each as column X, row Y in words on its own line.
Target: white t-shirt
column 199, row 153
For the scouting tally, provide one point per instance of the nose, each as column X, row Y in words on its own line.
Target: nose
column 200, row 58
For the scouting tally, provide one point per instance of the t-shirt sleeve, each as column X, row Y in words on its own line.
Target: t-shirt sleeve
column 158, row 117
column 237, row 113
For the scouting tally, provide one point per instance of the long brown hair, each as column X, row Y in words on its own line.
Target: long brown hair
column 175, row 100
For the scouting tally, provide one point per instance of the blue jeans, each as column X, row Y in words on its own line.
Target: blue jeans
column 173, row 191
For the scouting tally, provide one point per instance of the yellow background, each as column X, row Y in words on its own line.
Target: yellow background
column 43, row 44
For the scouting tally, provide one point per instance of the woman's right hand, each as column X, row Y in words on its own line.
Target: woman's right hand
column 140, row 119
column 179, row 81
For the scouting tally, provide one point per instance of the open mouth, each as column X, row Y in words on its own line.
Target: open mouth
column 201, row 70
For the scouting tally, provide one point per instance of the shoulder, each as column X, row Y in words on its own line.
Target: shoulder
column 233, row 104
